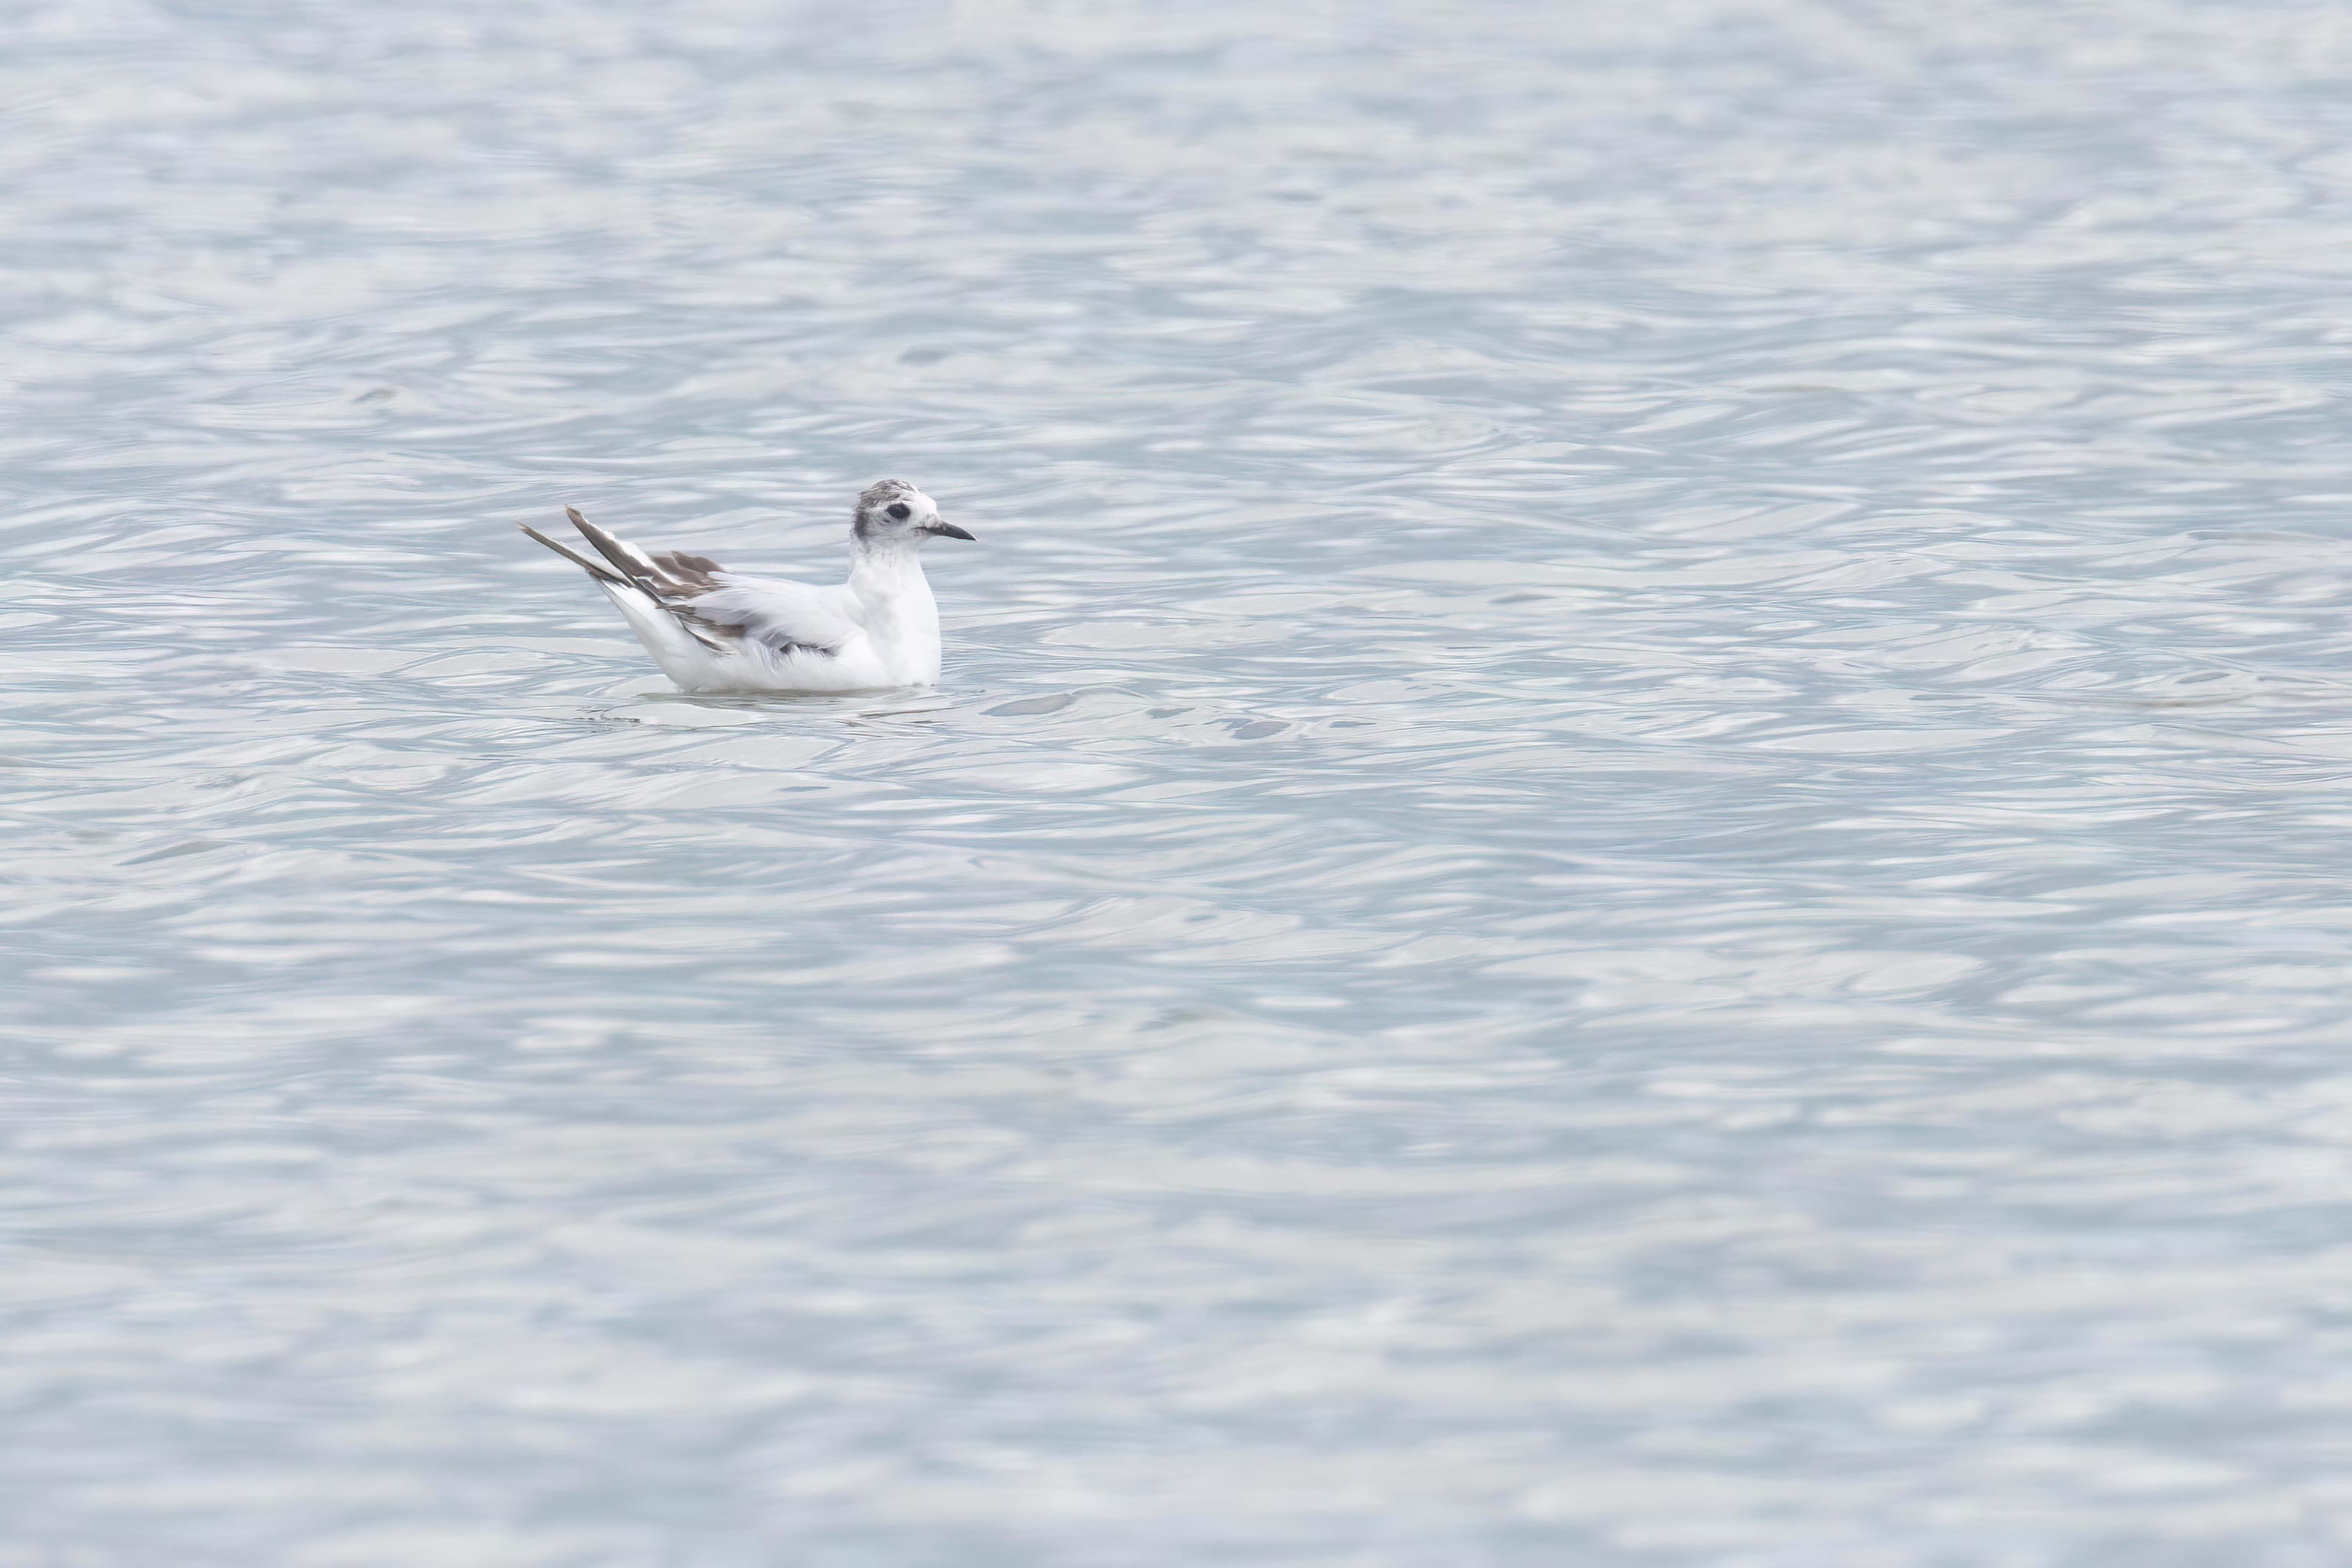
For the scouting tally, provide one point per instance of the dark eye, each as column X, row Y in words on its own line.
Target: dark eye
column 900, row 510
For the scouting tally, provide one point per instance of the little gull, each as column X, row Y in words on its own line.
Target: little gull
column 715, row 630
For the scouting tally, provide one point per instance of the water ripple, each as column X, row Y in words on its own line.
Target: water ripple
column 1631, row 854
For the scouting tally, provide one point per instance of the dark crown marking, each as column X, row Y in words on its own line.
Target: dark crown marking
column 876, row 497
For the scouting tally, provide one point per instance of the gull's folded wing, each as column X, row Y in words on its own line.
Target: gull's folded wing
column 713, row 605
column 782, row 615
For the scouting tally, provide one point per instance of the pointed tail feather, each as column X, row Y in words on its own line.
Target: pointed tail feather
column 642, row 589
column 595, row 569
column 634, row 564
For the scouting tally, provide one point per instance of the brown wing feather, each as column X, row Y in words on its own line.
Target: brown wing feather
column 670, row 579
column 692, row 573
column 594, row 568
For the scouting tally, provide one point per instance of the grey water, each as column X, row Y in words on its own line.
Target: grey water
column 1636, row 849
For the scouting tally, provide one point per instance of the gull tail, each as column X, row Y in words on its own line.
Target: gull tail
column 643, row 589
column 597, row 569
column 635, row 564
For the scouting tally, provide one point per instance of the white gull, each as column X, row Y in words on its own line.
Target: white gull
column 715, row 630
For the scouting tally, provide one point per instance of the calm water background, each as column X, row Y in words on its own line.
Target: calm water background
column 1635, row 851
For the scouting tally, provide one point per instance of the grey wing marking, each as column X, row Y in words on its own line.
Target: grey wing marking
column 781, row 644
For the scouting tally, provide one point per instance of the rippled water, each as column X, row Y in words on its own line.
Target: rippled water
column 1634, row 851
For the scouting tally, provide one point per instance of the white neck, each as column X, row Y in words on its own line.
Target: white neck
column 890, row 564
column 900, row 614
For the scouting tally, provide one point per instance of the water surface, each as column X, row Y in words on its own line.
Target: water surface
column 1634, row 853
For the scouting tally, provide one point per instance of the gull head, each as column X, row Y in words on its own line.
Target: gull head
column 895, row 510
